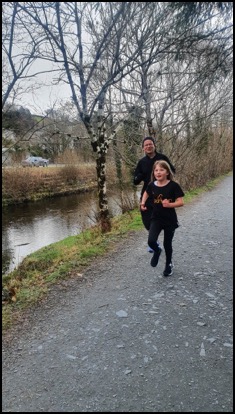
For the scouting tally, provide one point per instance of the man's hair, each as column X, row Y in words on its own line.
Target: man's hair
column 147, row 139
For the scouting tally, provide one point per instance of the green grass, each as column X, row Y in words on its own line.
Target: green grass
column 30, row 282
column 190, row 195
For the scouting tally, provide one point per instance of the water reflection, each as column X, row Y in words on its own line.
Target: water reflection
column 28, row 227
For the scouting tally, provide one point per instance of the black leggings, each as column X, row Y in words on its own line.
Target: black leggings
column 146, row 214
column 154, row 231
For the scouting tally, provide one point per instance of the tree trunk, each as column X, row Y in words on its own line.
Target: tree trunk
column 118, row 164
column 104, row 217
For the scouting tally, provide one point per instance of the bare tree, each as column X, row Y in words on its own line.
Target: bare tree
column 19, row 52
column 93, row 46
column 186, row 56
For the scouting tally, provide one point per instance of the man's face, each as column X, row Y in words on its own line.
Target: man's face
column 149, row 147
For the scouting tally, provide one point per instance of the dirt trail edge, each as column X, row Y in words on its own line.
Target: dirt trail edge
column 127, row 339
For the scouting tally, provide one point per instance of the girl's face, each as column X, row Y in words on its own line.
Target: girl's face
column 160, row 173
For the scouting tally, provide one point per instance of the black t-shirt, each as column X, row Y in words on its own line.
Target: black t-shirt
column 170, row 191
column 144, row 169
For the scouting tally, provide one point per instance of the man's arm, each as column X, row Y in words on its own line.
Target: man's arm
column 138, row 175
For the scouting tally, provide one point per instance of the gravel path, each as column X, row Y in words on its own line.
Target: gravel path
column 123, row 338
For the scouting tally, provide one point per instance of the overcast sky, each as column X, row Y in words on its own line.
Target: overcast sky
column 46, row 95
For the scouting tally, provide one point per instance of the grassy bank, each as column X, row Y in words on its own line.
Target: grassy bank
column 21, row 185
column 31, row 184
column 31, row 281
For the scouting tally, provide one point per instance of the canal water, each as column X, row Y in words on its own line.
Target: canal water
column 30, row 226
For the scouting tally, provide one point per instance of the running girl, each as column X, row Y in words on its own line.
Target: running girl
column 167, row 195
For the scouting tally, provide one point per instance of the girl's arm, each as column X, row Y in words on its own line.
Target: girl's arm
column 143, row 201
column 177, row 203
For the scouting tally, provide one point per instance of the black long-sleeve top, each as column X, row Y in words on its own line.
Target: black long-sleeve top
column 144, row 169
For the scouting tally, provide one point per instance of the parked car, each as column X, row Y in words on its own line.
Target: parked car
column 35, row 162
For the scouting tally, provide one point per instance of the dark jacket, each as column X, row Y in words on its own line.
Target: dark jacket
column 144, row 169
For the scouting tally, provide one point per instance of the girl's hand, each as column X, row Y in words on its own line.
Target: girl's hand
column 166, row 203
column 143, row 207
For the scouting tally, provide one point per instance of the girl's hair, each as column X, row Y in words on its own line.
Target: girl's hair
column 164, row 164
